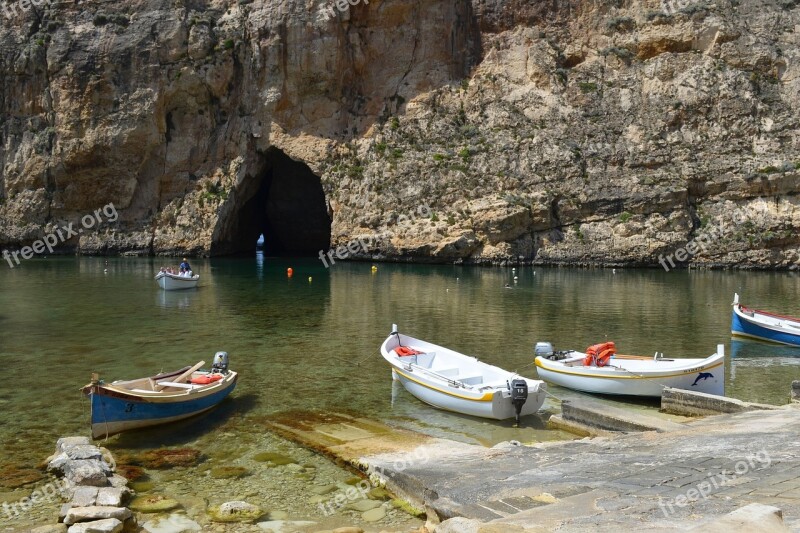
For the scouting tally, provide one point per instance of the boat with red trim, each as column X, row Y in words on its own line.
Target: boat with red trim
column 763, row 325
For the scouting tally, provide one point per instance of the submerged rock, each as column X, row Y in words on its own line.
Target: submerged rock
column 284, row 526
column 373, row 515
column 13, row 477
column 143, row 486
column 174, row 523
column 153, row 504
column 227, row 472
column 164, row 458
column 236, row 511
column 131, row 472
column 275, row 459
column 364, row 505
column 57, row 528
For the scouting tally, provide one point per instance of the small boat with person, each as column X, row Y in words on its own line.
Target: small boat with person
column 601, row 370
column 160, row 399
column 763, row 325
column 170, row 281
column 456, row 382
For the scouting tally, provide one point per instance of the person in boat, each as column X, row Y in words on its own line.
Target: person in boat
column 186, row 270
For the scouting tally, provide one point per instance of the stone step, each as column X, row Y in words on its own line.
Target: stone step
column 690, row 403
column 609, row 418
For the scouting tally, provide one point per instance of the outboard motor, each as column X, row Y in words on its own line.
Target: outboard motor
column 220, row 365
column 519, row 395
column 545, row 349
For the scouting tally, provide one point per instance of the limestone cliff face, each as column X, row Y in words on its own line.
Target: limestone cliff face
column 564, row 132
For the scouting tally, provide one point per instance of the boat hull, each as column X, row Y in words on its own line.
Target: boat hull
column 170, row 282
column 115, row 411
column 743, row 325
column 495, row 405
column 482, row 399
column 699, row 375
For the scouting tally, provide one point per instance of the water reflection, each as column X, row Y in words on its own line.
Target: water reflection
column 176, row 299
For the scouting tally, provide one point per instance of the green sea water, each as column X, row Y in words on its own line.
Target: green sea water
column 311, row 342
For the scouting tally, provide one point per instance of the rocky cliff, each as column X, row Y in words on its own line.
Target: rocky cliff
column 576, row 131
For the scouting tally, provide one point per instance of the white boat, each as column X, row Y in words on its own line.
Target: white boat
column 456, row 382
column 631, row 375
column 173, row 282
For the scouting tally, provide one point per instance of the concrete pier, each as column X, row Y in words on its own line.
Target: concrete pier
column 689, row 476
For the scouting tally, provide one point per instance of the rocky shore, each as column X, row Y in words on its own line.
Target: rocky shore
column 575, row 133
column 175, row 490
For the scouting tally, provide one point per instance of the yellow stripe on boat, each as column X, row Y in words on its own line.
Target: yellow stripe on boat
column 487, row 397
column 625, row 376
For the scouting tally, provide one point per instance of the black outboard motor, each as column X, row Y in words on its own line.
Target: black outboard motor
column 519, row 395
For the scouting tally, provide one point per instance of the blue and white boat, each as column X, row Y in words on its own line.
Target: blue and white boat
column 756, row 324
column 124, row 405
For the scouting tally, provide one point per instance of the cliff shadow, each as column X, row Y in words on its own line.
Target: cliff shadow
column 284, row 202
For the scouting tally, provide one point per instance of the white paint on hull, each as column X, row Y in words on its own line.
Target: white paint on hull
column 456, row 382
column 637, row 377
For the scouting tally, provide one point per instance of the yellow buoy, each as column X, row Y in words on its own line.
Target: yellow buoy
column 374, row 268
column 309, row 279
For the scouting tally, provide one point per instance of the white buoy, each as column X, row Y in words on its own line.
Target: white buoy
column 613, row 270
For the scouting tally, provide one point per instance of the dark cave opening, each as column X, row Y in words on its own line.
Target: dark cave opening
column 286, row 204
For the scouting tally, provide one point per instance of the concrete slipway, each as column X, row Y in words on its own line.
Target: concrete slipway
column 676, row 478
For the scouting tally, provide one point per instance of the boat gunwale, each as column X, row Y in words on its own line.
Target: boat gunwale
column 113, row 391
column 620, row 373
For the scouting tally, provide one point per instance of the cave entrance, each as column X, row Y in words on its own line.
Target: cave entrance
column 284, row 205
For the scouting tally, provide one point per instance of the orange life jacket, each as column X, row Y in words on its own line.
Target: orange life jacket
column 599, row 354
column 403, row 351
column 206, row 379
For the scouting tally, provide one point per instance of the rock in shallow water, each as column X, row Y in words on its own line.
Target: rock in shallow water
column 236, row 511
column 108, row 525
column 153, row 504
column 88, row 514
column 174, row 523
column 364, row 505
column 284, row 526
column 57, row 528
column 373, row 515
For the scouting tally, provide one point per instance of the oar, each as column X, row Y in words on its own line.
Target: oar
column 188, row 373
column 183, row 376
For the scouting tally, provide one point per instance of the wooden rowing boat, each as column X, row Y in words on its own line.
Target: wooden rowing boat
column 124, row 405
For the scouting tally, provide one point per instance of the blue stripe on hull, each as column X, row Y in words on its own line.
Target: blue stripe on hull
column 106, row 409
column 742, row 327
